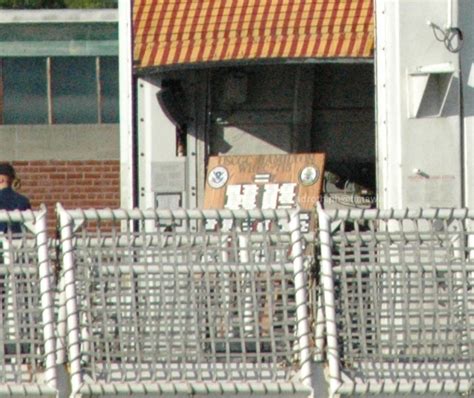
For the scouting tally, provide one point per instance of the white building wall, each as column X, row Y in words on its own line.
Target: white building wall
column 418, row 113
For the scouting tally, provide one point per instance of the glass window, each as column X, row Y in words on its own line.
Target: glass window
column 109, row 81
column 74, row 90
column 25, row 91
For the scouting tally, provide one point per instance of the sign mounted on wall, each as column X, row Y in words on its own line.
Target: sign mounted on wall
column 264, row 181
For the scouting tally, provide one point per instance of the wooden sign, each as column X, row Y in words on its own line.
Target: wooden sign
column 264, row 181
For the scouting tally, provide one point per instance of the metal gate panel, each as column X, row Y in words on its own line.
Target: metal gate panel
column 196, row 302
column 399, row 300
column 27, row 331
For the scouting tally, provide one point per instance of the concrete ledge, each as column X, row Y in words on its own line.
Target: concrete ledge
column 60, row 142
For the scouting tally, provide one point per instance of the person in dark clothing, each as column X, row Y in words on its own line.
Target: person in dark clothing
column 9, row 198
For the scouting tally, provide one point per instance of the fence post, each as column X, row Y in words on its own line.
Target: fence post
column 47, row 304
column 73, row 341
column 301, row 298
column 327, row 283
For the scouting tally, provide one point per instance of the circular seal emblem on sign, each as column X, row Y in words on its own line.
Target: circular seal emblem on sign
column 309, row 175
column 217, row 177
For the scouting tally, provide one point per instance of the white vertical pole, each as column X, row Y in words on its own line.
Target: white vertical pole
column 47, row 304
column 327, row 283
column 248, row 302
column 66, row 224
column 449, row 22
column 61, row 354
column 301, row 298
column 126, row 105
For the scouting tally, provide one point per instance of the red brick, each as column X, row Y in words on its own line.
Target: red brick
column 75, row 184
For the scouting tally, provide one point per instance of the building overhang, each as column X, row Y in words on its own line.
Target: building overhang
column 176, row 33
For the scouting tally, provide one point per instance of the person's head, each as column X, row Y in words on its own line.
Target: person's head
column 7, row 175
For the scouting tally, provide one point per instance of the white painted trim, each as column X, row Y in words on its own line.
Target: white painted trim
column 58, row 16
column 126, row 105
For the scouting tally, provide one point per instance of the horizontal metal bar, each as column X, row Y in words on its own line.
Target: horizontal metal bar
column 18, row 216
column 159, row 241
column 393, row 237
column 186, row 268
column 402, row 267
column 407, row 387
column 399, row 214
column 26, row 389
column 178, row 214
column 177, row 241
column 191, row 388
column 18, row 270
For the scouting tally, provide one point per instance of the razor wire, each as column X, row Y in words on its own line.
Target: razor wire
column 398, row 292
column 27, row 340
column 187, row 301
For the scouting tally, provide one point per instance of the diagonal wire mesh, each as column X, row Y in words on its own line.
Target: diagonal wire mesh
column 194, row 297
column 399, row 300
column 27, row 340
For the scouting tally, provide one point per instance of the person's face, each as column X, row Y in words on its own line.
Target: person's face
column 4, row 181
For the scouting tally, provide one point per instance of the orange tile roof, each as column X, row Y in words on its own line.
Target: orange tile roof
column 172, row 32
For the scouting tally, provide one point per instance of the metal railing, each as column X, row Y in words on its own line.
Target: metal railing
column 398, row 291
column 194, row 302
column 203, row 302
column 27, row 325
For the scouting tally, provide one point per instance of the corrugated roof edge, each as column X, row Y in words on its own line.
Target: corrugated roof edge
column 58, row 16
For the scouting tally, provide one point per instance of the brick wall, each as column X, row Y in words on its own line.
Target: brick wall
column 85, row 184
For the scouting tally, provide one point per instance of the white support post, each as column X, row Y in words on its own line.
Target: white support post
column 301, row 298
column 74, row 349
column 327, row 283
column 47, row 304
column 61, row 354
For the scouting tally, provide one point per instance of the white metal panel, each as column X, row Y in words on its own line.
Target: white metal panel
column 418, row 122
column 157, row 158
